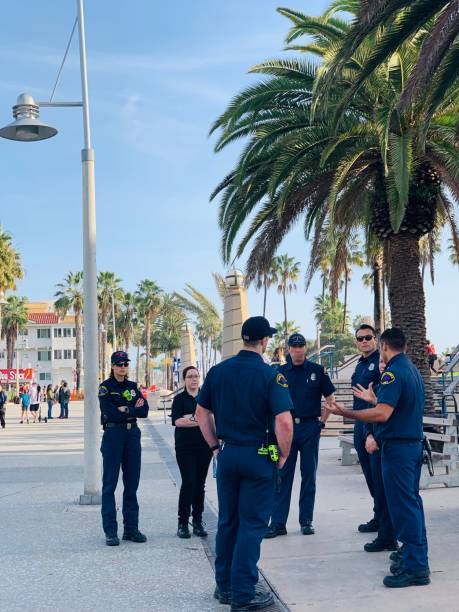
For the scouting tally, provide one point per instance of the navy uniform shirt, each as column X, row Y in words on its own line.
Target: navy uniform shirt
column 244, row 394
column 402, row 388
column 307, row 384
column 366, row 372
column 113, row 394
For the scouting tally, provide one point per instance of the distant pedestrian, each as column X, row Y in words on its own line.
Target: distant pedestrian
column 432, row 355
column 193, row 456
column 50, row 400
column 3, row 400
column 25, row 404
column 64, row 399
column 278, row 358
column 34, row 401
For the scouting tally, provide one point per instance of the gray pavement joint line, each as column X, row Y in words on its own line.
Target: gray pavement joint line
column 210, row 514
column 22, row 491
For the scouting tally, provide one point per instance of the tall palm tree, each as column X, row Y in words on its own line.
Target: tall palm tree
column 369, row 169
column 167, row 331
column 434, row 22
column 286, row 272
column 14, row 321
column 149, row 294
column 127, row 319
column 69, row 296
column 263, row 280
column 109, row 291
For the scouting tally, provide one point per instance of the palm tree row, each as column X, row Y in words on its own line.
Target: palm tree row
column 362, row 168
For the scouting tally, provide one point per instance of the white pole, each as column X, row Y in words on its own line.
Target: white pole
column 92, row 471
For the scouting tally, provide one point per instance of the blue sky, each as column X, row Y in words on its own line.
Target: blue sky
column 159, row 74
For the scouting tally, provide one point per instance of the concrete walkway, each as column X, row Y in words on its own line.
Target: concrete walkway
column 52, row 551
column 54, row 558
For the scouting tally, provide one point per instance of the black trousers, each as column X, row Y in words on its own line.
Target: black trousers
column 193, row 465
column 2, row 417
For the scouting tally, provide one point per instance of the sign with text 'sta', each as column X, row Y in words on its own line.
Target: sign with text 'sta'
column 9, row 375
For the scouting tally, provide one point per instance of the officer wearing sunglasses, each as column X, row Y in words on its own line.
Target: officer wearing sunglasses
column 121, row 404
column 367, row 376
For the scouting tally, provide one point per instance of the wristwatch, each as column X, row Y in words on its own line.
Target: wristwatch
column 322, row 425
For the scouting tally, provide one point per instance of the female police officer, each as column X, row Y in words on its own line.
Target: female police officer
column 121, row 404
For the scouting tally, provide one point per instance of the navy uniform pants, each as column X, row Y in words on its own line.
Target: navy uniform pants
column 306, row 438
column 401, row 471
column 245, row 486
column 371, row 468
column 120, row 449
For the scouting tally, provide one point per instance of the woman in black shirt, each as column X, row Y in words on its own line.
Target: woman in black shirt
column 193, row 456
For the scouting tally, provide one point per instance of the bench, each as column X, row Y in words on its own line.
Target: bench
column 446, row 462
column 348, row 456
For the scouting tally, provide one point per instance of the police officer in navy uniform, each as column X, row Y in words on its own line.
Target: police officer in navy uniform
column 121, row 404
column 367, row 375
column 307, row 383
column 399, row 435
column 244, row 402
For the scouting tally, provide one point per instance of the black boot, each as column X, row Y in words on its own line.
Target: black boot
column 224, row 597
column 275, row 530
column 370, row 527
column 183, row 531
column 405, row 579
column 198, row 529
column 134, row 535
column 380, row 545
column 112, row 539
column 307, row 528
column 261, row 600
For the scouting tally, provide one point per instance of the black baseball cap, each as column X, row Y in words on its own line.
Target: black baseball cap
column 119, row 357
column 256, row 328
column 297, row 340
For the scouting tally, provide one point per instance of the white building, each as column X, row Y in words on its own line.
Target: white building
column 48, row 345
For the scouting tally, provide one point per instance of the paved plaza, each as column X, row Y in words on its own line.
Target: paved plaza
column 54, row 557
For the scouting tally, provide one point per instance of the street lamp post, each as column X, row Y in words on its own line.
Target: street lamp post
column 28, row 127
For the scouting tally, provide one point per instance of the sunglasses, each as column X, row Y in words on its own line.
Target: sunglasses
column 362, row 338
column 122, row 365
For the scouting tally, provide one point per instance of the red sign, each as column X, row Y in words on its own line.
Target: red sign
column 9, row 376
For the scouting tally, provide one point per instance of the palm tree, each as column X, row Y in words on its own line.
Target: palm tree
column 14, row 321
column 435, row 23
column 167, row 331
column 69, row 296
column 264, row 279
column 208, row 324
column 149, row 294
column 369, row 169
column 10, row 263
column 278, row 341
column 453, row 253
column 109, row 291
column 127, row 319
column 285, row 271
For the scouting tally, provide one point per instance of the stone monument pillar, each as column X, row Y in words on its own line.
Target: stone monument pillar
column 235, row 313
column 187, row 351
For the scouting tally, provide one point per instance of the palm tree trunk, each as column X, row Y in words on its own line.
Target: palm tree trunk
column 265, row 294
column 137, row 364
column 114, row 323
column 285, row 318
column 407, row 302
column 384, row 300
column 78, row 348
column 346, row 280
column 147, row 350
column 9, row 351
column 378, row 308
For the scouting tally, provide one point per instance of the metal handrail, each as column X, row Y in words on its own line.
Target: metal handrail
column 166, row 398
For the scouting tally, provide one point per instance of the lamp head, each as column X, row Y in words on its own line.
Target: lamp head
column 27, row 126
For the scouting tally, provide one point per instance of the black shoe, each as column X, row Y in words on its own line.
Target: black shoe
column 397, row 568
column 135, row 536
column 307, row 528
column 198, row 529
column 379, row 545
column 224, row 597
column 405, row 580
column 111, row 539
column 370, row 527
column 396, row 556
column 260, row 601
column 275, row 530
column 183, row 531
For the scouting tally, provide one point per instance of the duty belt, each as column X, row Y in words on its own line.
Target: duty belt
column 123, row 425
column 298, row 420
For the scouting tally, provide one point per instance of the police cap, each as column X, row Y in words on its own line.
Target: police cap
column 256, row 328
column 119, row 357
column 297, row 340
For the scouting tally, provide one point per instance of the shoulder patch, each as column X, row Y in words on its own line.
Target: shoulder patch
column 281, row 380
column 103, row 391
column 387, row 378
